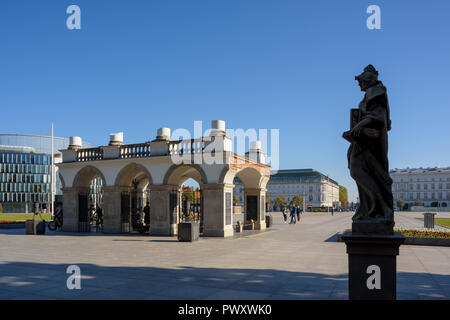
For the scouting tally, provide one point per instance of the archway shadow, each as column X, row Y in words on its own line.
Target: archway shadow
column 24, row 280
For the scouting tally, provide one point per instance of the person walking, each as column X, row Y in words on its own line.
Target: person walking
column 293, row 215
column 99, row 219
column 285, row 214
column 298, row 213
column 147, row 214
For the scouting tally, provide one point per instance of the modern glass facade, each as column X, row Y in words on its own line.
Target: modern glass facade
column 25, row 178
column 25, row 171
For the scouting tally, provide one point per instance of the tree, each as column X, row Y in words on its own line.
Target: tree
column 280, row 202
column 343, row 196
column 400, row 204
column 188, row 195
column 297, row 201
column 418, row 203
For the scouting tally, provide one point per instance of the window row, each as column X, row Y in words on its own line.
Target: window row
column 25, row 178
column 25, row 197
column 6, row 157
column 411, row 187
column 24, row 168
column 25, row 187
column 423, row 196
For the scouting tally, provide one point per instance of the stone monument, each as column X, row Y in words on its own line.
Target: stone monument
column 372, row 245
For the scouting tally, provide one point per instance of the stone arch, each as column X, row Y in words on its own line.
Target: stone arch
column 85, row 175
column 250, row 177
column 177, row 174
column 133, row 171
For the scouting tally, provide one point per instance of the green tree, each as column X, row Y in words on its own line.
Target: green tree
column 343, row 196
column 188, row 195
column 297, row 201
column 400, row 204
column 280, row 202
column 418, row 203
column 235, row 200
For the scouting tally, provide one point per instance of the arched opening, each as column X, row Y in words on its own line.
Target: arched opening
column 134, row 181
column 187, row 201
column 89, row 182
column 249, row 185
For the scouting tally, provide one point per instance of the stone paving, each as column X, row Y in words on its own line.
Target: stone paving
column 300, row 261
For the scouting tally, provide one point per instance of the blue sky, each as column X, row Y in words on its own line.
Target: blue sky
column 138, row 65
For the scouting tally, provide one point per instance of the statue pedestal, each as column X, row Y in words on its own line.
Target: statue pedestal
column 372, row 265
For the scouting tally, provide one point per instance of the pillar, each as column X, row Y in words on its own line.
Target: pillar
column 260, row 194
column 217, row 210
column 70, row 209
column 112, row 207
column 164, row 206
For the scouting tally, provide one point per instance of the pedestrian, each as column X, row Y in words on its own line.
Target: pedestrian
column 298, row 213
column 147, row 214
column 285, row 212
column 293, row 215
column 99, row 219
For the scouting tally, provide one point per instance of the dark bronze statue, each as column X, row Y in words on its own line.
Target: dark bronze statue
column 368, row 157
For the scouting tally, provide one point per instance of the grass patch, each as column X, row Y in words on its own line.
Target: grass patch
column 443, row 222
column 21, row 217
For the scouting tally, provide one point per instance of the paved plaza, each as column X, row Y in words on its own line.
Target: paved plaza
column 301, row 261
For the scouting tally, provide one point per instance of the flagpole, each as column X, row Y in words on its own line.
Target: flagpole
column 53, row 178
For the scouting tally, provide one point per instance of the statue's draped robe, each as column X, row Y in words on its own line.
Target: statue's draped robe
column 368, row 159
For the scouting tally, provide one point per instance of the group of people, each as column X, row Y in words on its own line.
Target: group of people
column 294, row 212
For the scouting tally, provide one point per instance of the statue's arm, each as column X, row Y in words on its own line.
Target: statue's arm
column 356, row 131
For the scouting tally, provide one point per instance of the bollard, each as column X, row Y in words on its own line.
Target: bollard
column 428, row 221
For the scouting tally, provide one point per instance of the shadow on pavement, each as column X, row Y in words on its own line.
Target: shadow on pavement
column 20, row 280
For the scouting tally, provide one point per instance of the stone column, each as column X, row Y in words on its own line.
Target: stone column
column 260, row 193
column 112, row 210
column 70, row 209
column 217, row 210
column 164, row 206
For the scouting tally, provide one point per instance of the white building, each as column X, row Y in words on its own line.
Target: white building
column 431, row 186
column 317, row 190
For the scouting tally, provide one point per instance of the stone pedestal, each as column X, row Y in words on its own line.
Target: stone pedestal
column 35, row 226
column 188, row 231
column 372, row 265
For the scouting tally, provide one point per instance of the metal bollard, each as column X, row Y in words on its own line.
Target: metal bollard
column 428, row 221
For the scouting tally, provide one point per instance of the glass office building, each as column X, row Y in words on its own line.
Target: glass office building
column 25, row 171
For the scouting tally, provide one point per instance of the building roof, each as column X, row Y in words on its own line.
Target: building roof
column 420, row 170
column 17, row 149
column 295, row 176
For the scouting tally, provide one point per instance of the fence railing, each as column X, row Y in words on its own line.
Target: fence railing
column 190, row 146
column 135, row 150
column 89, row 154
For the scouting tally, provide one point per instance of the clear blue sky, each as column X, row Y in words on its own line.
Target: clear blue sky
column 139, row 65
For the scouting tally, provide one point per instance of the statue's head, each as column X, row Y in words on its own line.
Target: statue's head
column 368, row 78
